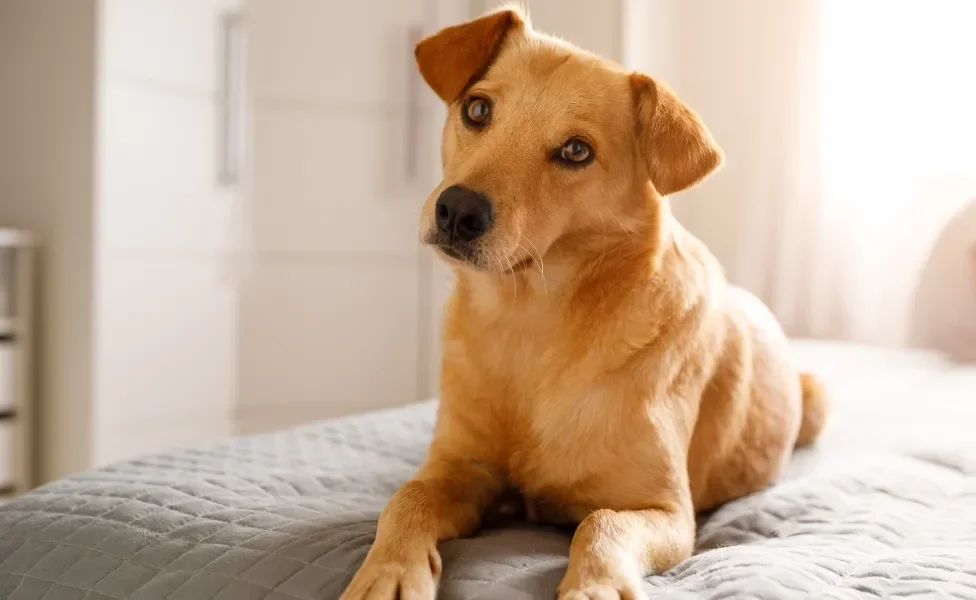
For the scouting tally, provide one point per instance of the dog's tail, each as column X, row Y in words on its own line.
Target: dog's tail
column 816, row 405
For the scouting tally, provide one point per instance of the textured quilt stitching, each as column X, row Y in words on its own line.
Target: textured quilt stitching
column 824, row 531
column 55, row 583
column 202, row 569
column 133, row 523
column 231, row 578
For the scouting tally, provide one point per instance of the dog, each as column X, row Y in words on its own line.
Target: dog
column 595, row 358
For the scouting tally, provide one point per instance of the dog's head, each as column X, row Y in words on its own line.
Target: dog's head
column 544, row 142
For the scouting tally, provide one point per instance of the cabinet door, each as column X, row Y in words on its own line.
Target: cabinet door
column 320, row 339
column 339, row 115
column 160, row 107
column 334, row 311
column 165, row 306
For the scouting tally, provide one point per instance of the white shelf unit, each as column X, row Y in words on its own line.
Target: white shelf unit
column 16, row 399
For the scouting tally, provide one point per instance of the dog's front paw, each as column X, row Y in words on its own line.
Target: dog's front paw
column 602, row 589
column 410, row 577
column 600, row 584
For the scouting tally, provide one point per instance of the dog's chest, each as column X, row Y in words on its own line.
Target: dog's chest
column 570, row 434
column 516, row 364
column 571, row 450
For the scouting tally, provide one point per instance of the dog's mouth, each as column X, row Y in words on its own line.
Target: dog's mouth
column 455, row 253
column 453, row 249
column 480, row 264
column 470, row 255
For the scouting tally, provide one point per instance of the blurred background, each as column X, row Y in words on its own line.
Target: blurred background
column 211, row 206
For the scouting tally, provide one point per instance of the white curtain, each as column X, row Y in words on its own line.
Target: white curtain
column 850, row 133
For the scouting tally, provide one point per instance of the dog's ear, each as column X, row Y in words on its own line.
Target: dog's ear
column 457, row 56
column 676, row 145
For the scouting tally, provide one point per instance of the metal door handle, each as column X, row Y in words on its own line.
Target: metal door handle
column 414, row 35
column 232, row 98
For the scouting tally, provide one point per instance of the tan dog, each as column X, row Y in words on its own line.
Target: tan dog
column 596, row 360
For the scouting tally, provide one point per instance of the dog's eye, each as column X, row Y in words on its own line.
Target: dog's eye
column 476, row 111
column 576, row 153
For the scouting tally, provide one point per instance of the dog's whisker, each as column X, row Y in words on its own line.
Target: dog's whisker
column 540, row 263
column 504, row 265
column 603, row 252
column 511, row 269
column 526, row 251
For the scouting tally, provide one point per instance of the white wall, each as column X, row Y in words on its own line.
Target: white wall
column 47, row 104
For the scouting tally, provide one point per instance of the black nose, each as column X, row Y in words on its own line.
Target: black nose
column 462, row 214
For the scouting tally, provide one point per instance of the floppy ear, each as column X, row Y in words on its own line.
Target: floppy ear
column 676, row 145
column 455, row 57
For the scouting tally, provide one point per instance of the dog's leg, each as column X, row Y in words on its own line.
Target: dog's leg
column 444, row 500
column 612, row 551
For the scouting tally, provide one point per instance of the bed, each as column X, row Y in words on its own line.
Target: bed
column 883, row 506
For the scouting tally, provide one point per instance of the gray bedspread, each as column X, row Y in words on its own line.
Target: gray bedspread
column 884, row 506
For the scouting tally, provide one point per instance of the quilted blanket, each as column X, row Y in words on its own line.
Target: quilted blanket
column 883, row 506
